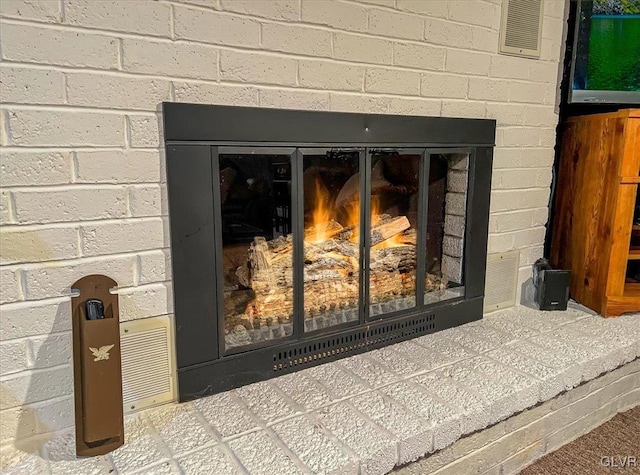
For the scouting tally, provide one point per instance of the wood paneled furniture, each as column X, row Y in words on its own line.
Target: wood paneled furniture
column 594, row 234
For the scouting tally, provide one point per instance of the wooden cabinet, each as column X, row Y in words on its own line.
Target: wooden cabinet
column 595, row 234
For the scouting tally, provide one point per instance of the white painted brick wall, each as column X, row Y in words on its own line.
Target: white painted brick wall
column 82, row 165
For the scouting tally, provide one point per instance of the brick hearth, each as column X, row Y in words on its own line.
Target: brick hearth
column 371, row 412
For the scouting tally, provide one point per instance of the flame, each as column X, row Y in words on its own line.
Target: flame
column 322, row 214
column 325, row 212
column 393, row 241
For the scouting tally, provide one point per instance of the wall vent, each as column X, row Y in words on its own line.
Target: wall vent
column 521, row 28
column 501, row 287
column 147, row 363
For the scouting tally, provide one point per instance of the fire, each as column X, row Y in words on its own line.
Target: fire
column 393, row 241
column 322, row 214
column 325, row 213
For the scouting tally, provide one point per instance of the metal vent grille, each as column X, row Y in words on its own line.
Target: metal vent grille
column 501, row 286
column 521, row 28
column 311, row 353
column 147, row 363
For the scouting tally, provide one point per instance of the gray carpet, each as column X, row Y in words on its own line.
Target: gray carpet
column 603, row 450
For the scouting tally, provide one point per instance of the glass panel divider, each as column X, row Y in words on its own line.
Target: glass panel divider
column 365, row 232
column 423, row 209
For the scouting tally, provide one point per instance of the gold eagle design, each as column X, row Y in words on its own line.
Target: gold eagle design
column 102, row 353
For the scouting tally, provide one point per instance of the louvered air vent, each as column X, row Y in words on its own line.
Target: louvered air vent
column 521, row 27
column 501, row 286
column 147, row 363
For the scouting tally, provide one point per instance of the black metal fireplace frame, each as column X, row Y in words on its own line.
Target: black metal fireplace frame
column 194, row 133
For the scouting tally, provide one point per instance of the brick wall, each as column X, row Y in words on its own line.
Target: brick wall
column 82, row 165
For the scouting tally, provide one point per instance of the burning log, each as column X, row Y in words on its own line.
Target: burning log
column 331, row 270
column 387, row 227
column 322, row 231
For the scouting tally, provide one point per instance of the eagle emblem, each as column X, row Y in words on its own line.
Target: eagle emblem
column 101, row 353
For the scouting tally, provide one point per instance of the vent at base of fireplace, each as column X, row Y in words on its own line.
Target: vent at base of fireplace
column 313, row 353
column 147, row 363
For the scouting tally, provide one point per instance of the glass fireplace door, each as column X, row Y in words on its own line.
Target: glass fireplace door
column 332, row 242
column 395, row 203
column 255, row 245
column 448, row 181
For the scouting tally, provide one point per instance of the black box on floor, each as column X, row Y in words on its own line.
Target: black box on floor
column 552, row 286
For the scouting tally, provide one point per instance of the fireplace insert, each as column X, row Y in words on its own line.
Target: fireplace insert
column 302, row 237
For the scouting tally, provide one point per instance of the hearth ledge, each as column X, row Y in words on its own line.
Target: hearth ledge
column 489, row 397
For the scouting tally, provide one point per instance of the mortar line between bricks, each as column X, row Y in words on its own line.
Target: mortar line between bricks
column 33, row 337
column 328, row 390
column 127, row 132
column 378, row 426
column 301, row 23
column 230, row 82
column 63, row 224
column 515, row 191
column 14, row 106
column 155, row 435
column 5, row 133
column 225, row 449
column 29, row 266
column 208, row 445
column 47, row 369
column 451, row 343
column 126, row 290
column 38, row 405
column 582, row 399
column 570, row 363
column 149, row 468
column 12, row 206
column 278, row 53
column 120, row 53
column 269, row 431
column 458, row 411
column 73, row 168
column 215, row 435
column 343, row 447
column 578, row 361
column 511, row 367
column 62, row 148
column 81, row 257
column 588, row 349
column 501, row 439
column 482, row 338
column 127, row 202
column 510, row 212
column 302, row 411
column 81, row 186
column 137, row 270
column 576, row 330
column 389, row 399
column 439, row 366
column 142, row 75
column 62, row 12
column 416, row 415
column 172, row 21
column 22, row 304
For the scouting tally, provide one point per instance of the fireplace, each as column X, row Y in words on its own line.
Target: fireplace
column 302, row 237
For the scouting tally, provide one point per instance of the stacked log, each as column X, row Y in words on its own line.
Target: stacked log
column 331, row 269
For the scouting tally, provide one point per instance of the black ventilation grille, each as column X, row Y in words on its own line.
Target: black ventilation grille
column 339, row 346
